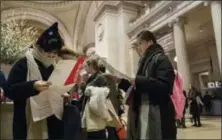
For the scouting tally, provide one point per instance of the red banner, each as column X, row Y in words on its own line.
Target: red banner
column 73, row 76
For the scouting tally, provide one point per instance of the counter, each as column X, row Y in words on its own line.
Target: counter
column 6, row 115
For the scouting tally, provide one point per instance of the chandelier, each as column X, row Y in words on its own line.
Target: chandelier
column 16, row 36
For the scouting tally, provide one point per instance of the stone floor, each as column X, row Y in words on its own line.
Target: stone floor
column 211, row 129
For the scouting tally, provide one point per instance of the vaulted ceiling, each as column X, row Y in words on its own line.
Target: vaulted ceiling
column 71, row 16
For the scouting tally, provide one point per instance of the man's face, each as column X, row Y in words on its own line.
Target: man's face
column 141, row 46
column 51, row 54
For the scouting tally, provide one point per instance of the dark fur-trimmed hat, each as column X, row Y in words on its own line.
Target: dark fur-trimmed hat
column 50, row 39
column 65, row 51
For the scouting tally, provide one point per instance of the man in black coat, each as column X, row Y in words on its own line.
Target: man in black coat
column 151, row 111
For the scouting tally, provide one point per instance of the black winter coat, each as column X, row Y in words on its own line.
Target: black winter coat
column 155, row 79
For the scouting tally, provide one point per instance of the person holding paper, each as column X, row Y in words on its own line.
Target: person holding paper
column 114, row 96
column 27, row 79
column 99, row 109
column 96, row 79
column 151, row 111
column 67, row 54
column 72, row 108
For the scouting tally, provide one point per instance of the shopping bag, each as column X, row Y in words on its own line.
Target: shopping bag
column 121, row 131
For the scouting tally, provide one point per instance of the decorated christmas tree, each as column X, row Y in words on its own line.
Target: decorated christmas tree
column 16, row 36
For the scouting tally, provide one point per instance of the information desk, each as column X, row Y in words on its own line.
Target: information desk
column 216, row 101
column 6, row 116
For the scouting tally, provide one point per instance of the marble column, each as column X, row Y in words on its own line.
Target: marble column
column 181, row 52
column 216, row 18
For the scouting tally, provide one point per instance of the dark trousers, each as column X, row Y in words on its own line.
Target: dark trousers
column 196, row 118
column 168, row 122
column 207, row 108
column 72, row 123
column 55, row 128
column 182, row 121
column 54, row 125
column 112, row 134
column 97, row 135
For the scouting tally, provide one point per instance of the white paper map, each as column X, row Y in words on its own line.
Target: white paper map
column 50, row 102
column 110, row 68
column 43, row 107
column 61, row 72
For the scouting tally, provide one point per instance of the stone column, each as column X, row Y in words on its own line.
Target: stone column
column 112, row 42
column 181, row 52
column 216, row 18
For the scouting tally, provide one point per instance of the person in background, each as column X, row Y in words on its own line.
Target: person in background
column 195, row 105
column 207, row 102
column 151, row 112
column 98, row 80
column 71, row 114
column 28, row 77
column 68, row 54
column 113, row 95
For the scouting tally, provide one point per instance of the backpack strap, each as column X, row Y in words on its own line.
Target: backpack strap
column 157, row 57
column 154, row 60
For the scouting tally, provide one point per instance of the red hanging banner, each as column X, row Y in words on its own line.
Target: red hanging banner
column 73, row 76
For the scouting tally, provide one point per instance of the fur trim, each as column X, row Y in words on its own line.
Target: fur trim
column 68, row 52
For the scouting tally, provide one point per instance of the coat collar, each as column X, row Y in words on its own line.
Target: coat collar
column 92, row 77
column 153, row 49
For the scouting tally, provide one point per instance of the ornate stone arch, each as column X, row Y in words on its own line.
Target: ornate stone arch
column 36, row 15
column 80, row 23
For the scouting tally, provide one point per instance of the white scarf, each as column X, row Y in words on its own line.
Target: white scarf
column 36, row 130
column 46, row 61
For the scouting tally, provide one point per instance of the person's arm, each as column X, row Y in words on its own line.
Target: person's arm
column 199, row 100
column 16, row 86
column 162, row 83
column 124, row 84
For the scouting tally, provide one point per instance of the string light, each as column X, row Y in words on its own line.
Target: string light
column 15, row 36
